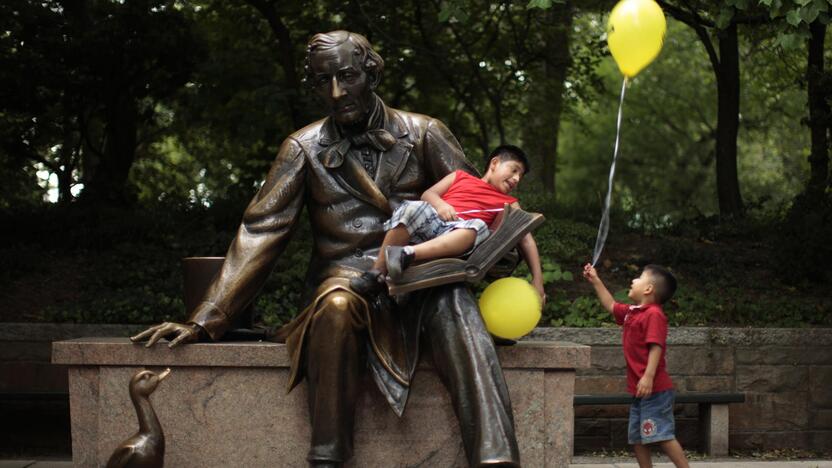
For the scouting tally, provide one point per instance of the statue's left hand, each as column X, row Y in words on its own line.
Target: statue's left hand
column 176, row 333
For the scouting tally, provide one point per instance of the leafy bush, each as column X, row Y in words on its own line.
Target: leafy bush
column 123, row 266
column 804, row 241
column 583, row 311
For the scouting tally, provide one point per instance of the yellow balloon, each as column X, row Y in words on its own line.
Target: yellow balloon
column 510, row 308
column 635, row 33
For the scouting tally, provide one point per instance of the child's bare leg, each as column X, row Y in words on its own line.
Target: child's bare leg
column 673, row 450
column 643, row 456
column 396, row 236
column 451, row 244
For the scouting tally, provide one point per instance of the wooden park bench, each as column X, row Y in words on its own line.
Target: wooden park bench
column 713, row 414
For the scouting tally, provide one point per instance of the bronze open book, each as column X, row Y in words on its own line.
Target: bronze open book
column 514, row 225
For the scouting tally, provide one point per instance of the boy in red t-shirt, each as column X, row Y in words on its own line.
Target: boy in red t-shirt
column 645, row 345
column 453, row 217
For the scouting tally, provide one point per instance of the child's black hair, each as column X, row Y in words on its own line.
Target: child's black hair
column 664, row 283
column 509, row 153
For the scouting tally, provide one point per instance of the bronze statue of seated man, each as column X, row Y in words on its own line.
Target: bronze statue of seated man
column 351, row 170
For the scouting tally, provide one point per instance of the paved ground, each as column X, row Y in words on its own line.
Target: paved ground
column 736, row 463
column 580, row 462
column 24, row 463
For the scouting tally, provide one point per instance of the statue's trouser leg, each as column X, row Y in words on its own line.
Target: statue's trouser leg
column 334, row 362
column 467, row 363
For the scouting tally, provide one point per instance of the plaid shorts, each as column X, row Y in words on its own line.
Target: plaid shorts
column 423, row 223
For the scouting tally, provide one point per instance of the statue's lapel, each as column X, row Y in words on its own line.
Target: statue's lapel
column 393, row 161
column 347, row 171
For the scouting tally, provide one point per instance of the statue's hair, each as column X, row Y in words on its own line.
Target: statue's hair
column 371, row 61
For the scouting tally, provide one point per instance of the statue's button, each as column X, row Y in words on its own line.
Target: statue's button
column 359, row 253
column 357, row 223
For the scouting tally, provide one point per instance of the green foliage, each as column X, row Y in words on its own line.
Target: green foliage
column 279, row 306
column 583, row 311
column 86, row 79
column 124, row 267
column 666, row 173
column 543, row 4
column 552, row 272
column 216, row 89
column 803, row 249
column 452, row 10
column 715, row 306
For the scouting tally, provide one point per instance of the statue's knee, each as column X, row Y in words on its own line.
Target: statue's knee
column 336, row 310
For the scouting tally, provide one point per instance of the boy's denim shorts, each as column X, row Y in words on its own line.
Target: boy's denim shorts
column 651, row 418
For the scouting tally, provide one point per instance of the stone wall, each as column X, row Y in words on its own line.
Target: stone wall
column 26, row 353
column 38, row 424
column 785, row 374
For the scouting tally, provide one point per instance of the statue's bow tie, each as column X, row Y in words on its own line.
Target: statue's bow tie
column 379, row 139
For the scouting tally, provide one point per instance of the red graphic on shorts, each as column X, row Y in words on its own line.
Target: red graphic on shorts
column 648, row 428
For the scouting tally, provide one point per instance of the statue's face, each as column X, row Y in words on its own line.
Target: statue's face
column 342, row 83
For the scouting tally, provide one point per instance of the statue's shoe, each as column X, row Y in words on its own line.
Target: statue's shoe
column 368, row 283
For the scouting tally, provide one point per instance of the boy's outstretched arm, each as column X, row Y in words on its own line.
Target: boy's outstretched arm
column 600, row 290
column 528, row 247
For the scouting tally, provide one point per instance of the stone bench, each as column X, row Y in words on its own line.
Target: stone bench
column 713, row 414
column 225, row 404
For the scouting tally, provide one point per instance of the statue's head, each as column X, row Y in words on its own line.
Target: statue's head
column 343, row 70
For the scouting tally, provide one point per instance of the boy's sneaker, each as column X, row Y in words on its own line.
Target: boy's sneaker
column 368, row 283
column 397, row 260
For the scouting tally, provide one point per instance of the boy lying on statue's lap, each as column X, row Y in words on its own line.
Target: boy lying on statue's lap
column 453, row 217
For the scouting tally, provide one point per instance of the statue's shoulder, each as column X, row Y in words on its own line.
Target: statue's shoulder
column 416, row 124
column 309, row 134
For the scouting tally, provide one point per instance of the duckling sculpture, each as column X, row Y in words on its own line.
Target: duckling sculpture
column 146, row 448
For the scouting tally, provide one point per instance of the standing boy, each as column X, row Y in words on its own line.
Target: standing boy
column 645, row 344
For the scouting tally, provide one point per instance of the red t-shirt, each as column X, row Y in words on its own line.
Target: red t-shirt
column 472, row 193
column 642, row 326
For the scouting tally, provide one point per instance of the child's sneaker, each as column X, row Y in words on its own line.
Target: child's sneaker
column 397, row 260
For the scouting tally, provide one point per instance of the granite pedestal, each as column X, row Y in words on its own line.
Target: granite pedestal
column 225, row 404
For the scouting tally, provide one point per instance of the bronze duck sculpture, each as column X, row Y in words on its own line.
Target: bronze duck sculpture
column 146, row 448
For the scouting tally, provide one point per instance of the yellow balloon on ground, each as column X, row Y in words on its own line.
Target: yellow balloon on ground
column 510, row 308
column 635, row 34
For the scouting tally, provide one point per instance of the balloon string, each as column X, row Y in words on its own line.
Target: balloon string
column 604, row 227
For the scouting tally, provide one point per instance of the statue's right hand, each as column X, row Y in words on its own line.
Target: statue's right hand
column 176, row 333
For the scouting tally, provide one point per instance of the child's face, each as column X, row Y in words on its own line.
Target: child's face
column 641, row 287
column 504, row 175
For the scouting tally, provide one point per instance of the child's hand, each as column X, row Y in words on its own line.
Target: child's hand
column 644, row 387
column 590, row 274
column 446, row 212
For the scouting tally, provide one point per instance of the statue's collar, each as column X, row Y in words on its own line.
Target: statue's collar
column 380, row 117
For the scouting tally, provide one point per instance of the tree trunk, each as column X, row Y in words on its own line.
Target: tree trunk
column 109, row 178
column 728, row 98
column 545, row 98
column 66, row 164
column 557, row 63
column 819, row 118
column 286, row 58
